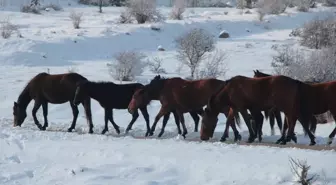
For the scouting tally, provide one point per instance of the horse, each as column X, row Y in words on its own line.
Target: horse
column 177, row 94
column 270, row 114
column 114, row 96
column 278, row 92
column 314, row 120
column 45, row 88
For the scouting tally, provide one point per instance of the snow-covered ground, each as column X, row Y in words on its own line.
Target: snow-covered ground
column 49, row 43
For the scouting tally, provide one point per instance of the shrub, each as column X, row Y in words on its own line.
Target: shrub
column 155, row 66
column 143, row 11
column 7, row 29
column 178, row 9
column 76, row 19
column 128, row 64
column 319, row 33
column 271, row 6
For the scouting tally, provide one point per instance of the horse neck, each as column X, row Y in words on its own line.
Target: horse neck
column 94, row 90
column 154, row 92
column 24, row 98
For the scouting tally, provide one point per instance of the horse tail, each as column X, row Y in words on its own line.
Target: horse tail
column 303, row 105
column 237, row 119
column 266, row 114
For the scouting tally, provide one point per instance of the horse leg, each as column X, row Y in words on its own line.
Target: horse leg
column 313, row 123
column 116, row 127
column 196, row 119
column 164, row 123
column 271, row 120
column 37, row 105
column 304, row 123
column 185, row 131
column 259, row 119
column 237, row 136
column 75, row 112
column 283, row 132
column 106, row 119
column 87, row 108
column 229, row 122
column 278, row 118
column 163, row 111
column 45, row 114
column 135, row 116
column 291, row 126
column 145, row 114
column 248, row 121
column 333, row 133
column 177, row 121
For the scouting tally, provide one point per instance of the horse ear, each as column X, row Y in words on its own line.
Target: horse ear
column 15, row 104
column 258, row 71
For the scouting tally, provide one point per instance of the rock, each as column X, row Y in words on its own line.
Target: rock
column 160, row 48
column 155, row 27
column 224, row 34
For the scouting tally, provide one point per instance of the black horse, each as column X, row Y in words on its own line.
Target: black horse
column 117, row 96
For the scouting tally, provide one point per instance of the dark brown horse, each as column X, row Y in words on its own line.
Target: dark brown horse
column 177, row 94
column 268, row 113
column 56, row 89
column 240, row 92
column 313, row 120
column 114, row 96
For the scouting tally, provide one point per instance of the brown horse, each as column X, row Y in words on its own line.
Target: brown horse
column 177, row 94
column 314, row 120
column 56, row 89
column 240, row 92
column 268, row 113
column 114, row 96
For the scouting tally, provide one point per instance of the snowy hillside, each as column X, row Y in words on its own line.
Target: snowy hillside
column 48, row 43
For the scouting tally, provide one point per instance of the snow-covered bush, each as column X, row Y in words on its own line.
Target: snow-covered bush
column 104, row 2
column 30, row 9
column 312, row 66
column 214, row 65
column 76, row 19
column 271, row 6
column 319, row 33
column 304, row 5
column 127, row 65
column 192, row 47
column 53, row 6
column 330, row 2
column 142, row 10
column 7, row 29
column 301, row 172
column 155, row 66
column 178, row 9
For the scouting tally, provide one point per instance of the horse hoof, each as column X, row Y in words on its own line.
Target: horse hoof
column 104, row 131
column 283, row 142
column 70, row 129
column 222, row 139
column 90, row 131
column 160, row 134
column 238, row 138
column 151, row 134
column 312, row 143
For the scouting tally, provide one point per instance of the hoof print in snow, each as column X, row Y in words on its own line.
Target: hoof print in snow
column 160, row 48
column 224, row 34
column 127, row 33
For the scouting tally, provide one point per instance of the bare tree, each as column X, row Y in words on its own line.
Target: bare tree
column 143, row 10
column 76, row 19
column 155, row 66
column 128, row 64
column 192, row 47
column 178, row 9
column 214, row 66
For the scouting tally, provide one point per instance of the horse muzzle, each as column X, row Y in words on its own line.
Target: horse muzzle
column 130, row 110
